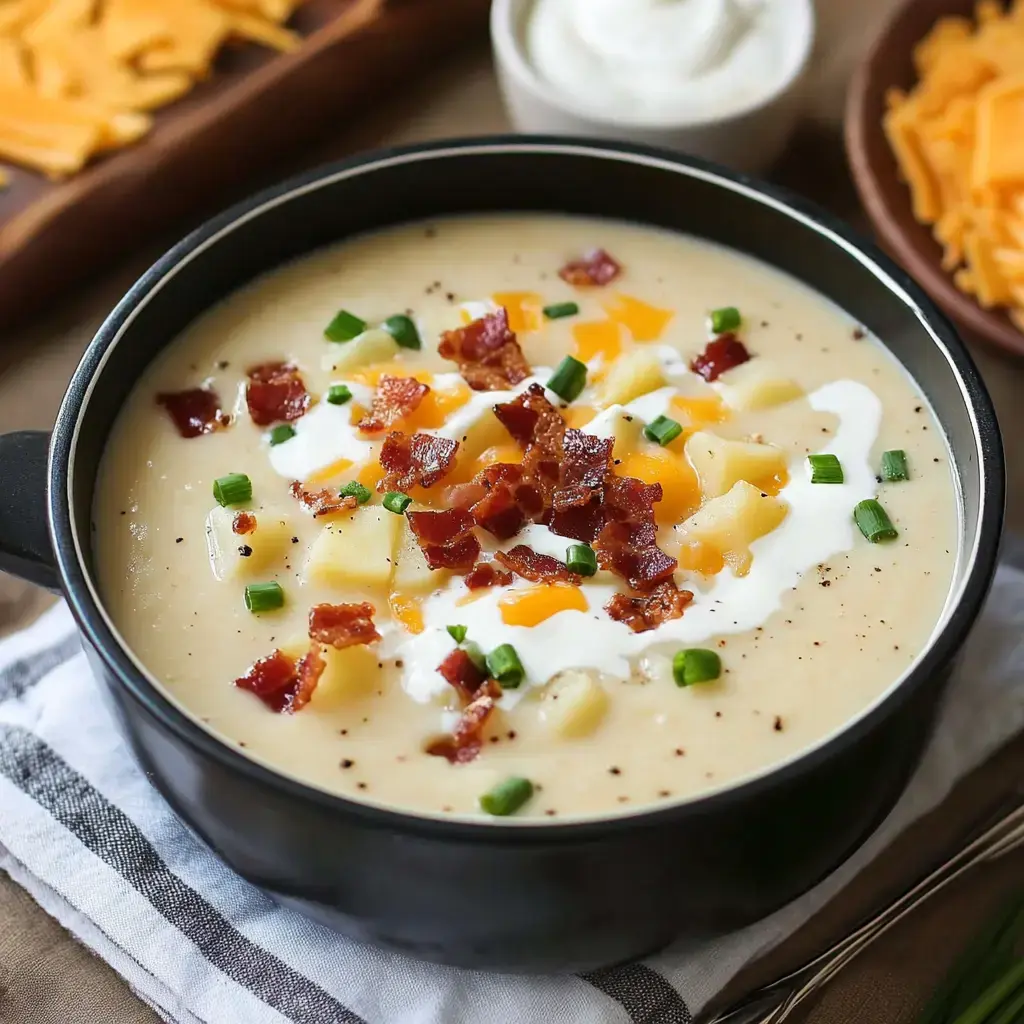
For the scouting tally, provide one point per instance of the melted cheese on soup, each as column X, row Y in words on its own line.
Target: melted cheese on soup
column 711, row 609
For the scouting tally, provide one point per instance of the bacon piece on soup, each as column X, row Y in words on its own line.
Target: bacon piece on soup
column 627, row 545
column 462, row 674
column 467, row 738
column 532, row 420
column 322, row 502
column 394, row 399
column 648, row 611
column 422, row 459
column 194, row 412
column 487, row 574
column 343, row 625
column 243, row 523
column 309, row 668
column 446, row 538
column 487, row 353
column 723, row 353
column 535, row 567
column 275, row 680
column 275, row 392
column 596, row 268
column 577, row 502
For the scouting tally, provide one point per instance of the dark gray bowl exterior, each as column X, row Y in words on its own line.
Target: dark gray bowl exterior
column 534, row 897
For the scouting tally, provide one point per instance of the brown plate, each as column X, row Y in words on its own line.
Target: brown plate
column 884, row 195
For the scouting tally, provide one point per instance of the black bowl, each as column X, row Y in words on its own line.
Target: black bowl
column 558, row 896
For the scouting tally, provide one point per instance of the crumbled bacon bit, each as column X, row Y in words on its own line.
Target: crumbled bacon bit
column 723, row 353
column 627, row 545
column 462, row 674
column 532, row 420
column 487, row 353
column 194, row 412
column 576, row 504
column 535, row 567
column 422, row 460
column 487, row 574
column 648, row 611
column 243, row 522
column 343, row 625
column 323, row 502
column 466, row 495
column 394, row 399
column 446, row 538
column 309, row 668
column 596, row 268
column 465, row 742
column 275, row 392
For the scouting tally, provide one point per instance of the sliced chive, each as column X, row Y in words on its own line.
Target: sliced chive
column 569, row 379
column 580, row 559
column 894, row 465
column 663, row 430
column 281, row 433
column 1012, row 1012
column 995, row 998
column 338, row 394
column 233, row 489
column 354, row 489
column 695, row 665
column 344, row 327
column 504, row 665
column 457, row 633
column 397, row 502
column 507, row 796
column 725, row 319
column 825, row 469
column 561, row 309
column 263, row 597
column 476, row 654
column 403, row 330
column 872, row 521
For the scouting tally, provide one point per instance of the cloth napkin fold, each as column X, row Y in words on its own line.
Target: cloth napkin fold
column 82, row 830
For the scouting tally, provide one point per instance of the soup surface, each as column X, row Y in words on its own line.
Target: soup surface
column 673, row 595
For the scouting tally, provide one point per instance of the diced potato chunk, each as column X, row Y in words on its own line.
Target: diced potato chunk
column 720, row 463
column 757, row 384
column 355, row 550
column 624, row 429
column 631, row 376
column 234, row 555
column 573, row 704
column 372, row 346
column 731, row 522
column 412, row 574
column 348, row 674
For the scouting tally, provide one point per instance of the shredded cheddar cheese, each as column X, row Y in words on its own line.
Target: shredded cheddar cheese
column 532, row 605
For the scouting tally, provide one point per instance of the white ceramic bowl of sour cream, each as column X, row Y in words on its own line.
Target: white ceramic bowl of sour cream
column 717, row 79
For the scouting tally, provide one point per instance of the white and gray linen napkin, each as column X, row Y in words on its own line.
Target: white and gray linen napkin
column 82, row 830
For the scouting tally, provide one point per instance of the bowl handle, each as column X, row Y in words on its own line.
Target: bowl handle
column 25, row 548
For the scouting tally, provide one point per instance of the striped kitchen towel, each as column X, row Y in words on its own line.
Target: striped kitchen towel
column 83, row 832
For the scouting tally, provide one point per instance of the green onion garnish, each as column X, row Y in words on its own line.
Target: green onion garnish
column 397, row 502
column 663, row 430
column 695, row 665
column 344, row 327
column 569, row 379
column 233, row 489
column 894, row 465
column 476, row 654
column 507, row 796
column 873, row 522
column 354, row 489
column 403, row 330
column 560, row 309
column 281, row 433
column 263, row 597
column 504, row 665
column 457, row 633
column 580, row 559
column 338, row 394
column 725, row 319
column 825, row 469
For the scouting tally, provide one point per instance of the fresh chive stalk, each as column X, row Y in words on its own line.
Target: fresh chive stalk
column 569, row 379
column 1012, row 1012
column 263, row 597
column 344, row 327
column 397, row 502
column 233, row 489
column 663, row 430
column 561, row 309
column 695, row 665
column 873, row 521
column 995, row 998
column 725, row 319
column 338, row 394
column 403, row 330
column 894, row 466
column 457, row 633
column 504, row 665
column 507, row 796
column 580, row 559
column 281, row 433
column 825, row 469
column 354, row 489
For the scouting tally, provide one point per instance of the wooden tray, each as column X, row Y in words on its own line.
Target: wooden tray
column 253, row 109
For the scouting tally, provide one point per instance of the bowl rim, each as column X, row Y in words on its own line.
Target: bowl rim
column 964, row 604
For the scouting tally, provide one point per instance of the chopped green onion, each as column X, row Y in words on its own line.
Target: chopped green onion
column 695, row 665
column 825, row 469
column 569, row 379
column 476, row 654
column 344, row 327
column 872, row 521
column 663, row 430
column 894, row 465
column 507, row 796
column 397, row 502
column 725, row 319
column 457, row 633
column 354, row 489
column 995, row 998
column 561, row 309
column 504, row 665
column 1012, row 1012
column 338, row 394
column 281, row 433
column 233, row 489
column 580, row 559
column 263, row 597
column 403, row 330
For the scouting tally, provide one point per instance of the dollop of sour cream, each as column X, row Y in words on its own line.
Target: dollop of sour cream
column 655, row 60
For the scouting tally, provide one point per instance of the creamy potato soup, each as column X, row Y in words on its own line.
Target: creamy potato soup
column 525, row 516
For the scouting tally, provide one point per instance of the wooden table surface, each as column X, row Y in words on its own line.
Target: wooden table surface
column 47, row 978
